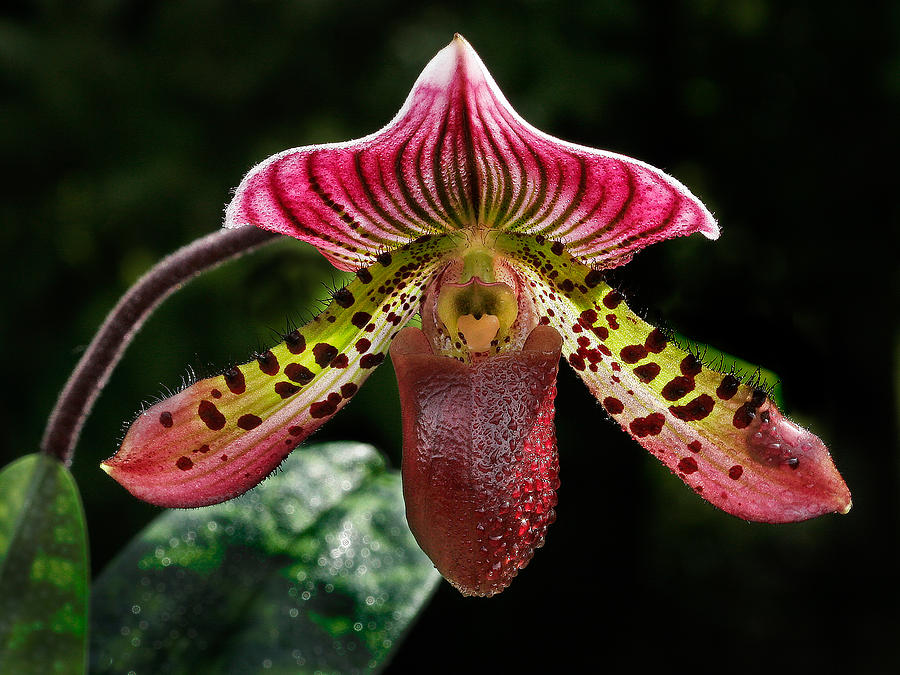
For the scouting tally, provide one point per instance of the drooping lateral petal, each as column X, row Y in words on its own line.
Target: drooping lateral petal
column 480, row 464
column 723, row 438
column 354, row 199
column 604, row 206
column 221, row 436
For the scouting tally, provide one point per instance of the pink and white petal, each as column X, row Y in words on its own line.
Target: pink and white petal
column 723, row 438
column 457, row 155
column 352, row 200
column 602, row 205
column 221, row 436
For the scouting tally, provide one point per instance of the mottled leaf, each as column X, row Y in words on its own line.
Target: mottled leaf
column 43, row 569
column 316, row 572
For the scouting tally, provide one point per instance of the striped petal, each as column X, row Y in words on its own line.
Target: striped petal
column 354, row 199
column 457, row 155
column 221, row 436
column 723, row 438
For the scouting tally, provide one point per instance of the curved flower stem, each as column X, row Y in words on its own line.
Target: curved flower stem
column 122, row 323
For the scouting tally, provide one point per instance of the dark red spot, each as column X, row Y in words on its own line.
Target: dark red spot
column 759, row 397
column 165, row 418
column 184, row 463
column 612, row 299
column 612, row 321
column 593, row 278
column 647, row 426
column 362, row 345
column 613, row 405
column 364, row 275
column 202, row 449
column 687, row 465
column 576, row 361
column 215, row 393
column 647, row 372
column 324, row 353
column 604, row 349
column 744, row 415
column 210, row 415
column 677, row 388
column 268, row 363
column 295, row 342
column 690, row 365
column 696, row 410
column 248, row 421
column 694, row 446
column 360, row 319
column 583, row 341
column 286, row 389
column 340, row 361
column 344, row 297
column 384, row 259
column 656, row 341
column 735, row 472
column 557, row 248
column 298, row 373
column 224, row 458
column 295, row 430
column 633, row 353
column 347, row 390
column 321, row 409
column 234, row 379
column 601, row 332
column 588, row 318
column 728, row 387
column 370, row 360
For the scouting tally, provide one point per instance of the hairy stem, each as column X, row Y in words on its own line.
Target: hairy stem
column 123, row 322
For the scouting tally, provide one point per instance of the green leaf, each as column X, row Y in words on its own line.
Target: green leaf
column 43, row 569
column 316, row 570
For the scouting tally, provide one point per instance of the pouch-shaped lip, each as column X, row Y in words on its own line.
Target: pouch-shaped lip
column 479, row 456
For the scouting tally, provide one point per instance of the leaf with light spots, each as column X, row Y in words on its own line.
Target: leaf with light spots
column 725, row 439
column 222, row 435
column 43, row 569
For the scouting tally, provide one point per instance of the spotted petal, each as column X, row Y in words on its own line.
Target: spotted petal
column 457, row 155
column 221, row 436
column 723, row 438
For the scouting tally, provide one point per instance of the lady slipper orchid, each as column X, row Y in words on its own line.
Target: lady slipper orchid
column 498, row 235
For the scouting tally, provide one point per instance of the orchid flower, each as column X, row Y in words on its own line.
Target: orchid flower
column 499, row 236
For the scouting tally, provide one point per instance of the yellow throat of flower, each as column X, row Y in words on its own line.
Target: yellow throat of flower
column 477, row 307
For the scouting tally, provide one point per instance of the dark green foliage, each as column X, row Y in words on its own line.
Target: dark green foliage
column 314, row 571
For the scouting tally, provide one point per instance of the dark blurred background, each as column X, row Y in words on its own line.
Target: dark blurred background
column 125, row 125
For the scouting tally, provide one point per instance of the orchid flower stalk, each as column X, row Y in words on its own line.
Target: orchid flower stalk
column 499, row 236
